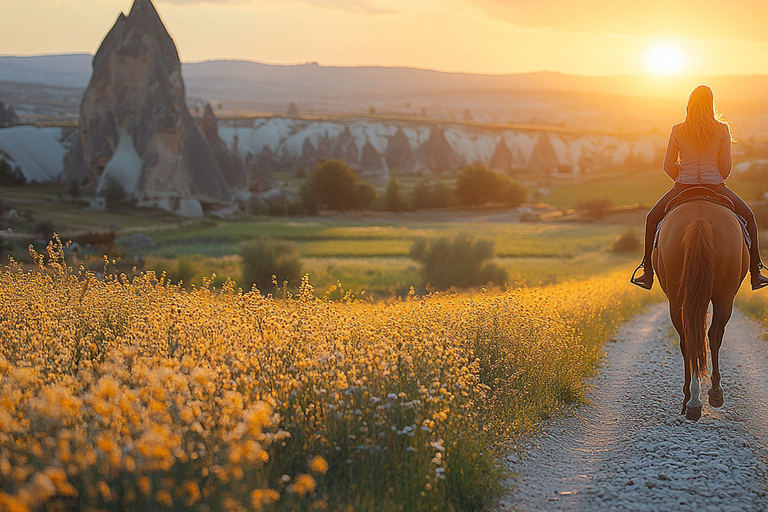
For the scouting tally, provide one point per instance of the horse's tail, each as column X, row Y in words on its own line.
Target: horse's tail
column 697, row 283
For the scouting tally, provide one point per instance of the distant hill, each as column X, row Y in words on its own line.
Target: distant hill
column 74, row 71
column 48, row 86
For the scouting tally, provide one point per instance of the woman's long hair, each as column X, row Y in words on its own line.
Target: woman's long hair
column 701, row 123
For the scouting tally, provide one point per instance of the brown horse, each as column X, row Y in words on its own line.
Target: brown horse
column 701, row 257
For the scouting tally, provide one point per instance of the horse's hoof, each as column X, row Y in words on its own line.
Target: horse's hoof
column 716, row 399
column 693, row 413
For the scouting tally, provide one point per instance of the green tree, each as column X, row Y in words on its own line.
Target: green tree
column 10, row 176
column 594, row 207
column 427, row 194
column 333, row 185
column 365, row 196
column 73, row 188
column 114, row 193
column 462, row 262
column 267, row 257
column 477, row 184
column 392, row 200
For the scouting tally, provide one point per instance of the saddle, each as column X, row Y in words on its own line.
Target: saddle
column 699, row 194
column 703, row 194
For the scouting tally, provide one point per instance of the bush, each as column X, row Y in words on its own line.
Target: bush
column 462, row 262
column 113, row 193
column 333, row 185
column 10, row 176
column 432, row 195
column 594, row 208
column 6, row 247
column 392, row 200
column 73, row 188
column 477, row 184
column 267, row 257
column 628, row 243
column 365, row 196
column 45, row 229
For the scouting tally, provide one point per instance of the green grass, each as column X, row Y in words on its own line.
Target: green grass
column 642, row 187
column 41, row 202
column 366, row 252
column 387, row 237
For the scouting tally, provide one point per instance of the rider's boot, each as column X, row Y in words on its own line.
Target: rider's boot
column 757, row 279
column 645, row 281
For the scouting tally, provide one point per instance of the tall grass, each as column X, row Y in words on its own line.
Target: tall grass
column 140, row 395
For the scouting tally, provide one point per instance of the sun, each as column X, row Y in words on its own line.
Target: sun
column 665, row 59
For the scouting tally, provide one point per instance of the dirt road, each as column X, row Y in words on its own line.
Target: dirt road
column 631, row 450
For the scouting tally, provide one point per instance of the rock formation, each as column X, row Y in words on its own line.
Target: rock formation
column 544, row 159
column 258, row 172
column 399, row 153
column 135, row 127
column 501, row 161
column 373, row 166
column 8, row 116
column 229, row 161
column 438, row 153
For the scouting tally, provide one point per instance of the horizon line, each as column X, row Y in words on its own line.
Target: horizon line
column 390, row 66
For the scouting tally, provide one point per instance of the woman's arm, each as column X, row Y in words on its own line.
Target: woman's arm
column 671, row 165
column 724, row 158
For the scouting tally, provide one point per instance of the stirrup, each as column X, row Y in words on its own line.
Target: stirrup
column 760, row 284
column 634, row 280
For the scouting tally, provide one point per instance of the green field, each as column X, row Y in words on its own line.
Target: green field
column 367, row 252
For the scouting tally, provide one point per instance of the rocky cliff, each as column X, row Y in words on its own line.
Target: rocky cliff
column 135, row 127
column 8, row 116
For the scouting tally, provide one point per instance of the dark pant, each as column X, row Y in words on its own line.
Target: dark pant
column 657, row 213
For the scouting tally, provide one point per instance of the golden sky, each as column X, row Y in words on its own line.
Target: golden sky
column 583, row 37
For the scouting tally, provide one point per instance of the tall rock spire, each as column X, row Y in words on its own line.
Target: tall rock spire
column 135, row 128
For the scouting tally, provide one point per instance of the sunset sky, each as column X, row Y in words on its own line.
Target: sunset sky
column 585, row 37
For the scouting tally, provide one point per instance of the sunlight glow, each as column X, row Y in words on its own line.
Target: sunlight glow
column 665, row 59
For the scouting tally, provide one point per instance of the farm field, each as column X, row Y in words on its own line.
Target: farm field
column 372, row 254
column 140, row 395
column 365, row 251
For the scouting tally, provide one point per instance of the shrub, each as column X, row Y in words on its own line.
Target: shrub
column 462, row 262
column 427, row 194
column 392, row 200
column 44, row 228
column 594, row 208
column 627, row 243
column 73, row 188
column 113, row 193
column 10, row 176
column 333, row 185
column 267, row 257
column 365, row 196
column 477, row 184
column 6, row 246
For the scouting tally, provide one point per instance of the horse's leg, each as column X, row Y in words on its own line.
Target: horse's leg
column 676, row 313
column 693, row 407
column 721, row 313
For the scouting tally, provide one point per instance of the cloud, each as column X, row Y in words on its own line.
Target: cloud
column 364, row 6
column 701, row 19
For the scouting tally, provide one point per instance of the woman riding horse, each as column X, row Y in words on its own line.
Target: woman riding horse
column 699, row 155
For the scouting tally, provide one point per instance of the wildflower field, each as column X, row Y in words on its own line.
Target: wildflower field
column 138, row 395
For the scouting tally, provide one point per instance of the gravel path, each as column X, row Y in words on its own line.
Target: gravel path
column 630, row 449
